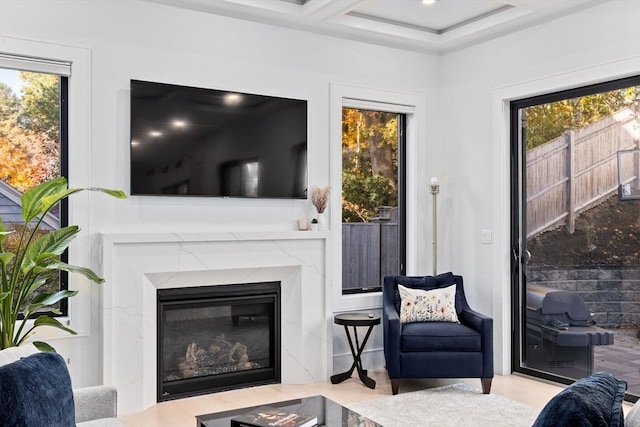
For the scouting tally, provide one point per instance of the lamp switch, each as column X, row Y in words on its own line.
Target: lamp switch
column 485, row 236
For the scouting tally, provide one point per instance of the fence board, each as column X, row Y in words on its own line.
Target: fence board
column 389, row 255
column 369, row 252
column 360, row 255
column 562, row 184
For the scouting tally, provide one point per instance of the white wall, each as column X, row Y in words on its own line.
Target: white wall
column 136, row 40
column 597, row 44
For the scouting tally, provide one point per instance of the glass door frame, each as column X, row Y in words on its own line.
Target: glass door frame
column 518, row 194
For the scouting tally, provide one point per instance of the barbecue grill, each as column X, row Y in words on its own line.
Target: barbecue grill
column 561, row 333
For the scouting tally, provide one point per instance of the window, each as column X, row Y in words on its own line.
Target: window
column 33, row 139
column 572, row 232
column 372, row 195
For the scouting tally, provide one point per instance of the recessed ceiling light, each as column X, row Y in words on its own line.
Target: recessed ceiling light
column 155, row 133
column 178, row 123
column 135, row 143
column 428, row 2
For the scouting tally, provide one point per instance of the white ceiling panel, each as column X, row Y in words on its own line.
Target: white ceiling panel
column 408, row 24
column 437, row 17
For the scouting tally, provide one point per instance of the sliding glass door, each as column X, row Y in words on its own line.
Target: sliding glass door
column 576, row 232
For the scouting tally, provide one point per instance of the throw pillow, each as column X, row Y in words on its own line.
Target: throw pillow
column 35, row 391
column 592, row 401
column 421, row 282
column 436, row 305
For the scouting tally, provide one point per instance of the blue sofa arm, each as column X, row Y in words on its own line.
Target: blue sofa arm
column 484, row 325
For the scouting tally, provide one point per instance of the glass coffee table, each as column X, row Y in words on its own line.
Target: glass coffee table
column 329, row 413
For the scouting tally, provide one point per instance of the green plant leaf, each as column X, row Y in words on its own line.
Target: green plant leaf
column 115, row 193
column 43, row 346
column 52, row 199
column 32, row 199
column 45, row 320
column 54, row 242
column 39, row 281
column 45, row 299
column 4, row 234
column 3, row 295
column 86, row 272
column 6, row 257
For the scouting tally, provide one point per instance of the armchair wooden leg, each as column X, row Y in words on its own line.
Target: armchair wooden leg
column 486, row 385
column 395, row 385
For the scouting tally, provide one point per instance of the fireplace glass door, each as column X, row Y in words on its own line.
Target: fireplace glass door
column 214, row 338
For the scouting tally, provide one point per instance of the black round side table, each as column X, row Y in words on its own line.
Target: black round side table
column 355, row 320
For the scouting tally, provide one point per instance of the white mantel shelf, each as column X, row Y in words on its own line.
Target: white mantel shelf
column 216, row 236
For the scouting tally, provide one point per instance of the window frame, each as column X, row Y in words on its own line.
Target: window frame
column 62, row 70
column 401, row 193
column 82, row 314
column 414, row 107
column 518, row 212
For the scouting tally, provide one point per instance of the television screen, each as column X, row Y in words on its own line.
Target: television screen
column 205, row 142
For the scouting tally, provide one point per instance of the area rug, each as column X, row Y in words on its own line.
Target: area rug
column 452, row 405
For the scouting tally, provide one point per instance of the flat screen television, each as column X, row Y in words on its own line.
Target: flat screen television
column 206, row 142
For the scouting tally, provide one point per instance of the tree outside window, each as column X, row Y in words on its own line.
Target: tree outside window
column 30, row 145
column 371, row 231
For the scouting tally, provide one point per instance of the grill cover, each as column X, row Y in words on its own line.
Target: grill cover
column 564, row 318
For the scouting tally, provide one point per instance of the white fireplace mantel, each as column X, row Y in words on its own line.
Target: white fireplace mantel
column 135, row 265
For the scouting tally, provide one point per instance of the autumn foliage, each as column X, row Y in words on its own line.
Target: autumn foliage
column 29, row 131
column 369, row 163
column 548, row 121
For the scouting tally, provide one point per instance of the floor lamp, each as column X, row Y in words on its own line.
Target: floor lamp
column 435, row 189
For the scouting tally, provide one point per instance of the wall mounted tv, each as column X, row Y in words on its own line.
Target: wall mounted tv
column 205, row 142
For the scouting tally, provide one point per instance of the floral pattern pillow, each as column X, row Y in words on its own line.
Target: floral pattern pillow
column 436, row 305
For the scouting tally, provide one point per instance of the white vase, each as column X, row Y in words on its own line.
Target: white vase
column 322, row 222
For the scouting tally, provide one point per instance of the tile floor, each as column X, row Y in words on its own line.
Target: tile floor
column 622, row 359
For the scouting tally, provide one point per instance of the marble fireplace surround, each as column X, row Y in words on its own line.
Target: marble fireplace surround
column 136, row 265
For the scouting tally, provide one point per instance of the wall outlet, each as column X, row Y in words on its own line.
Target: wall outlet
column 485, row 236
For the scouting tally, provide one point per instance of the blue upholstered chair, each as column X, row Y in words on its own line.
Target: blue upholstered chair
column 436, row 349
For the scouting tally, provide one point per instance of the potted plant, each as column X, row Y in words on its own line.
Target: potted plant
column 25, row 269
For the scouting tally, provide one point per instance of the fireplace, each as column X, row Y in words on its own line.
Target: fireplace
column 137, row 265
column 220, row 337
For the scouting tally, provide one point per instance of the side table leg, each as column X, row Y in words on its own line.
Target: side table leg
column 356, row 352
column 338, row 378
column 369, row 382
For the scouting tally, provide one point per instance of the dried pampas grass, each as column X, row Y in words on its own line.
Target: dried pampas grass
column 320, row 198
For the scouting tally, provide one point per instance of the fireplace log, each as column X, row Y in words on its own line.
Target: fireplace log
column 222, row 356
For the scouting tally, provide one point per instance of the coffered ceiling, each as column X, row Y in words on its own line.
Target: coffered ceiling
column 441, row 26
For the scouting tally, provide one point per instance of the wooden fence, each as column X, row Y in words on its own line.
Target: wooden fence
column 576, row 171
column 369, row 252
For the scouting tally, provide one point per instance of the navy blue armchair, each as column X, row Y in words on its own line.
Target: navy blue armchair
column 436, row 349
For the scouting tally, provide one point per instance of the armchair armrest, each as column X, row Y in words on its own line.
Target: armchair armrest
column 475, row 320
column 391, row 330
column 94, row 403
column 484, row 325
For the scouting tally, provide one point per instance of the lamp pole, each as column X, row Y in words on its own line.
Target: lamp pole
column 435, row 189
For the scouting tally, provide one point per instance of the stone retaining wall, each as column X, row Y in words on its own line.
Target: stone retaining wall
column 612, row 294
